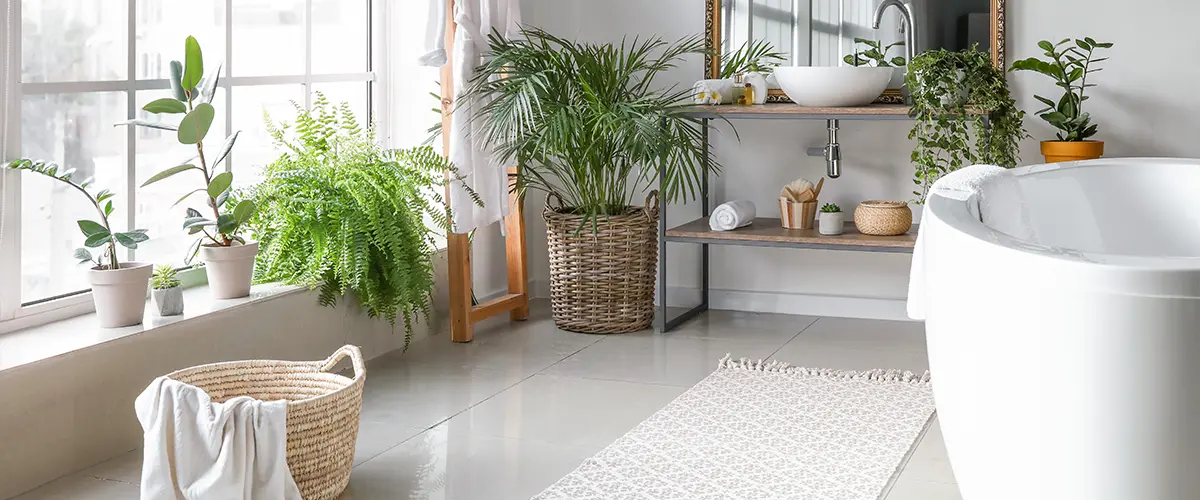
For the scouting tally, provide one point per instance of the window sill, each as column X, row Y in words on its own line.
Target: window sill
column 58, row 338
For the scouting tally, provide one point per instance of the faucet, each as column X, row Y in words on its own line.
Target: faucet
column 906, row 11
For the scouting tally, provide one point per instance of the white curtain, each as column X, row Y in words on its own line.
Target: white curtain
column 473, row 158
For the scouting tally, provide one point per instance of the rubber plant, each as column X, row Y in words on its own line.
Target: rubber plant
column 341, row 214
column 956, row 95
column 1069, row 63
column 874, row 55
column 193, row 93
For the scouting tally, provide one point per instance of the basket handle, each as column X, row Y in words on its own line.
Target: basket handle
column 652, row 202
column 355, row 358
column 557, row 204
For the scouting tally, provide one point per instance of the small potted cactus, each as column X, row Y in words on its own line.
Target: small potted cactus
column 830, row 221
column 168, row 295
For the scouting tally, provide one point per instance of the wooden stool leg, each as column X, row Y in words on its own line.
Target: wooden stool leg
column 514, row 250
column 459, row 253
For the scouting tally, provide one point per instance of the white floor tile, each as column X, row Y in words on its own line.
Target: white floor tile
column 126, row 468
column 923, row 490
column 374, row 438
column 741, row 325
column 444, row 464
column 566, row 410
column 412, row 394
column 525, row 347
column 858, row 344
column 78, row 487
column 657, row 359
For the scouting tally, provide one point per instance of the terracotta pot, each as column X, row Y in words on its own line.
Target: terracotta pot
column 1060, row 151
column 230, row 269
column 120, row 294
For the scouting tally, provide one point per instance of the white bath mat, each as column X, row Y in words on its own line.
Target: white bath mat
column 764, row 431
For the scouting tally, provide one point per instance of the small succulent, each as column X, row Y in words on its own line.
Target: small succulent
column 164, row 278
column 830, row 208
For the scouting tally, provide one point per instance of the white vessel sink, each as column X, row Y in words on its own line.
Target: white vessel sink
column 833, row 86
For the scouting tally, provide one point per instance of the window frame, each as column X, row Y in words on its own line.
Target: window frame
column 17, row 313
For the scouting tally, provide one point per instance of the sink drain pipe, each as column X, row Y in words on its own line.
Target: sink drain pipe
column 832, row 151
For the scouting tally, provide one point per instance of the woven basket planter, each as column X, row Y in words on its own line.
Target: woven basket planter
column 883, row 218
column 602, row 279
column 322, row 411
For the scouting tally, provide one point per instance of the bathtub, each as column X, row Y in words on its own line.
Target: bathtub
column 1064, row 330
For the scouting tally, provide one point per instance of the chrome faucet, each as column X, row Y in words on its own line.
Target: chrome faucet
column 910, row 28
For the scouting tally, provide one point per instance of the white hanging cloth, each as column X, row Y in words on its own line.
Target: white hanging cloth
column 474, row 160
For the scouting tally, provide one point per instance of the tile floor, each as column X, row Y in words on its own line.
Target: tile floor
column 525, row 403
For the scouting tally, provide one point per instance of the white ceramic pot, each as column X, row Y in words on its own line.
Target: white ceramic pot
column 230, row 269
column 759, row 82
column 120, row 294
column 168, row 301
column 830, row 223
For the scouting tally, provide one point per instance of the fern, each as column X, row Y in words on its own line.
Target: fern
column 340, row 214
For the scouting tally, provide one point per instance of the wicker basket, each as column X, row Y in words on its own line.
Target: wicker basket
column 322, row 411
column 602, row 281
column 883, row 218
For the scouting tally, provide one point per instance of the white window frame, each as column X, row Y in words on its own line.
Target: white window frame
column 16, row 314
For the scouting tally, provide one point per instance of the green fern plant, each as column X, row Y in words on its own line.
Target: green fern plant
column 340, row 214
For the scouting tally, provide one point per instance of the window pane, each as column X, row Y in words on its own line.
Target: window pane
column 158, row 150
column 73, row 40
column 269, row 37
column 339, row 36
column 164, row 24
column 75, row 130
column 255, row 147
column 352, row 93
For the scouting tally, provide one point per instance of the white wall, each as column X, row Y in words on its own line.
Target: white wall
column 1145, row 106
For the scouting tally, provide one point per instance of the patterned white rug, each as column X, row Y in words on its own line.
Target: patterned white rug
column 755, row 430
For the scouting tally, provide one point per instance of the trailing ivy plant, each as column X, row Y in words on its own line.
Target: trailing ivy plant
column 192, row 95
column 874, row 54
column 340, row 214
column 945, row 120
column 754, row 55
column 96, row 233
column 1069, row 67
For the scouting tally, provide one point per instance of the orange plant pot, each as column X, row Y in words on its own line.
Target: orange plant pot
column 1060, row 151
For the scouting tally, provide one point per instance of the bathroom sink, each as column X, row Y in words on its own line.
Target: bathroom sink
column 833, row 86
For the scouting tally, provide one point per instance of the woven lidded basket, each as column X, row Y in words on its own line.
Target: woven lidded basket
column 322, row 411
column 602, row 276
column 883, row 218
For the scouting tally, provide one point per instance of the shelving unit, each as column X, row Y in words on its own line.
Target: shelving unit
column 766, row 232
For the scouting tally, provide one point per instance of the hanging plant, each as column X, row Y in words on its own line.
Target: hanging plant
column 954, row 95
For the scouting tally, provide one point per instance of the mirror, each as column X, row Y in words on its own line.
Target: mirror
column 822, row 32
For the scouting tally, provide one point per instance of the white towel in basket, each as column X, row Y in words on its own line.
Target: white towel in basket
column 197, row 449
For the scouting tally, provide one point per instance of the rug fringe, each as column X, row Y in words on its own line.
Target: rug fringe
column 728, row 363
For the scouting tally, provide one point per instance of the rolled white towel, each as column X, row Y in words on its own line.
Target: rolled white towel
column 732, row 215
column 716, row 91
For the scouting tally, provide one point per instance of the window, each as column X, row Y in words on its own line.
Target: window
column 84, row 65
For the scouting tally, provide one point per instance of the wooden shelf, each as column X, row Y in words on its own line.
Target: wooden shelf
column 769, row 233
column 797, row 112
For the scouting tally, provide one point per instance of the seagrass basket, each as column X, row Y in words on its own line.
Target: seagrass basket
column 883, row 218
column 322, row 411
column 602, row 275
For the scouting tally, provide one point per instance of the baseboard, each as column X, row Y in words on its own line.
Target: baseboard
column 841, row 306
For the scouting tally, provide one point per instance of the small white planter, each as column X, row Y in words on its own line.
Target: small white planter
column 168, row 301
column 120, row 294
column 230, row 269
column 830, row 223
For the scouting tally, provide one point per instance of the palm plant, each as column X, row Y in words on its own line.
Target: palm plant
column 587, row 122
column 754, row 55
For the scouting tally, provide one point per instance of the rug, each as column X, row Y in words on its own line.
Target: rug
column 755, row 430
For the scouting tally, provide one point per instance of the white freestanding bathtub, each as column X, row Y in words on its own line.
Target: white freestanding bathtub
column 1064, row 330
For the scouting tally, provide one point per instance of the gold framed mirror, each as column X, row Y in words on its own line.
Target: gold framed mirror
column 822, row 32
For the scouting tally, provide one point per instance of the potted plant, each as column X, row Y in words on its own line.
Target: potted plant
column 591, row 126
column 1069, row 66
column 831, row 220
column 875, row 54
column 118, row 288
column 943, row 127
column 227, row 255
column 341, row 214
column 165, row 289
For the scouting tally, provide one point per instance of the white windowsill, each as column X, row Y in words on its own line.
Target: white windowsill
column 80, row 332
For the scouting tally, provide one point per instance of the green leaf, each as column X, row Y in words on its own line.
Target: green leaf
column 195, row 125
column 104, row 194
column 1045, row 45
column 219, row 201
column 208, row 87
column 226, row 224
column 108, row 208
column 226, row 149
column 131, row 239
column 191, row 212
column 167, row 173
column 243, row 211
column 176, row 79
column 188, row 195
column 191, row 222
column 194, row 69
column 192, row 251
column 91, row 227
column 165, row 105
column 96, row 240
column 139, row 122
column 83, row 255
column 219, row 184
